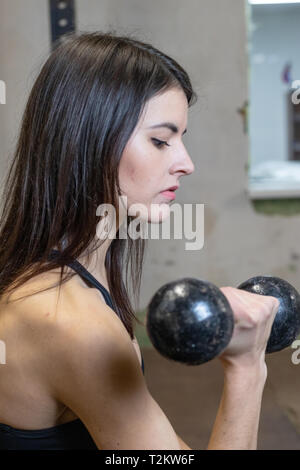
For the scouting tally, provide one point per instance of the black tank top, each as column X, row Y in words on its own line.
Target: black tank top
column 67, row 436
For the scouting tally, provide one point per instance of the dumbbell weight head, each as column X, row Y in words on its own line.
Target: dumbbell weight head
column 286, row 325
column 189, row 321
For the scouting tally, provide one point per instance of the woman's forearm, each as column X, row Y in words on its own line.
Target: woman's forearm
column 237, row 420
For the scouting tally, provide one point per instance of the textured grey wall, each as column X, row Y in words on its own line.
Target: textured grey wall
column 24, row 45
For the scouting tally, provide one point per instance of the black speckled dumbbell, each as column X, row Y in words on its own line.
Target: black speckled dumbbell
column 191, row 320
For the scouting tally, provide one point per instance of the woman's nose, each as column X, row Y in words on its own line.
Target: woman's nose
column 184, row 164
column 190, row 167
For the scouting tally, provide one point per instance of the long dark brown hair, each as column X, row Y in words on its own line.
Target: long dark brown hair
column 81, row 112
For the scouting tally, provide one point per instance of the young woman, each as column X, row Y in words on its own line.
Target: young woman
column 94, row 129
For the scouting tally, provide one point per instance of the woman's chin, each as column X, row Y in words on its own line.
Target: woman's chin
column 154, row 214
column 159, row 213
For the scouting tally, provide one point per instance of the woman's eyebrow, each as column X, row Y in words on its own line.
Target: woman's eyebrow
column 168, row 125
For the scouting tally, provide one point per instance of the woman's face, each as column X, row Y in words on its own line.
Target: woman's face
column 149, row 167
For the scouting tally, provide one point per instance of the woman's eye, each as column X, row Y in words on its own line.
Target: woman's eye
column 159, row 143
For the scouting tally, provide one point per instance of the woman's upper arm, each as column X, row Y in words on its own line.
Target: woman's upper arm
column 99, row 377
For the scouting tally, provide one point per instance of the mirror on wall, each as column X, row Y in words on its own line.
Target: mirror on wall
column 274, row 99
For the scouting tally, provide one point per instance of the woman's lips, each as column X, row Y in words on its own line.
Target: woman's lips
column 169, row 194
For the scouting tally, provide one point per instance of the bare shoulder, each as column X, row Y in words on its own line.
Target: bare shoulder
column 86, row 328
column 61, row 327
column 45, row 314
column 49, row 318
column 41, row 297
column 35, row 292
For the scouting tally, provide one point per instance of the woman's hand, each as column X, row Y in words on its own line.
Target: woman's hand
column 253, row 318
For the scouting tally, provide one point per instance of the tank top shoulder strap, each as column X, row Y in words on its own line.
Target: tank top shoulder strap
column 83, row 272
